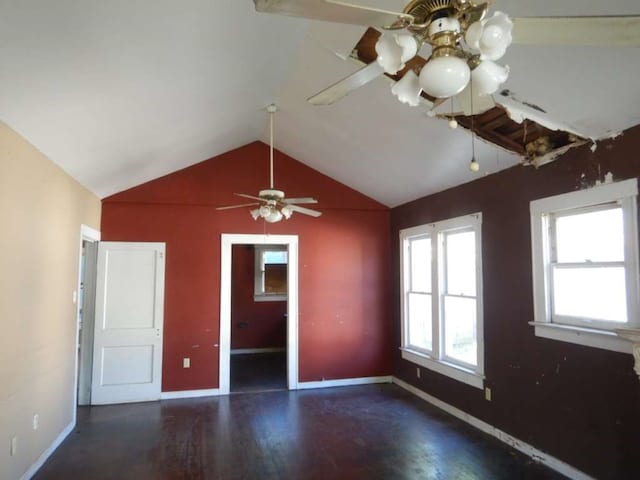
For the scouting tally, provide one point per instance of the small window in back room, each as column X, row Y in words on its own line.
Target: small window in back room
column 270, row 279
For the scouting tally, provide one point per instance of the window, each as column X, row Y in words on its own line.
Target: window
column 585, row 268
column 270, row 278
column 441, row 298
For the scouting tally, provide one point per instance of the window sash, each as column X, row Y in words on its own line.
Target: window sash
column 543, row 214
column 437, row 233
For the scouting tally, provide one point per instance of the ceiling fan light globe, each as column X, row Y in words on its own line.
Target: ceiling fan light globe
column 264, row 211
column 487, row 77
column 286, row 212
column 409, row 46
column 408, row 89
column 394, row 50
column 389, row 54
column 472, row 37
column 255, row 213
column 273, row 216
column 444, row 77
column 491, row 37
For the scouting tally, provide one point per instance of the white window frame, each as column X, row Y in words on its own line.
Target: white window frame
column 435, row 359
column 259, row 295
column 584, row 331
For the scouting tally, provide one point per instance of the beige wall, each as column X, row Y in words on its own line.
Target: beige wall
column 41, row 211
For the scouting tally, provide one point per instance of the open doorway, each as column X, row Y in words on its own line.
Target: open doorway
column 87, row 271
column 258, row 318
column 258, row 313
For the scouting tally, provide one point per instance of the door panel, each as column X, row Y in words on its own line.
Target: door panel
column 127, row 362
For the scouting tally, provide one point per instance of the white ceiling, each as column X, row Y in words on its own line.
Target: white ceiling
column 120, row 92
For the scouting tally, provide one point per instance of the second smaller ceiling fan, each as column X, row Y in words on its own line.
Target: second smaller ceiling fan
column 272, row 204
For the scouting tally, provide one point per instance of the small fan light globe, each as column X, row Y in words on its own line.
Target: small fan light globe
column 444, row 77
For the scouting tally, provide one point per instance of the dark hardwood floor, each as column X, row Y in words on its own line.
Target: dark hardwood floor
column 364, row 432
column 258, row 372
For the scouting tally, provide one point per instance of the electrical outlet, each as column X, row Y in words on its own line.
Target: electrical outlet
column 36, row 420
column 418, row 372
column 186, row 362
column 14, row 445
column 487, row 394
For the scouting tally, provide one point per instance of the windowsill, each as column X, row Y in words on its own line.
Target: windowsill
column 590, row 337
column 269, row 298
column 454, row 371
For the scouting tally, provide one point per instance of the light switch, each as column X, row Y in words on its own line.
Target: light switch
column 186, row 362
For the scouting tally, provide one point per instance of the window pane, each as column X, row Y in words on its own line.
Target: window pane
column 421, row 265
column 597, row 293
column 460, row 329
column 275, row 279
column 419, row 320
column 278, row 256
column 596, row 236
column 461, row 263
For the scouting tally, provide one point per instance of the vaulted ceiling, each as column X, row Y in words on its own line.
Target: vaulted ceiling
column 120, row 92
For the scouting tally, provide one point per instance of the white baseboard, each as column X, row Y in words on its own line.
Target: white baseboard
column 529, row 450
column 210, row 392
column 344, row 382
column 31, row 471
column 237, row 351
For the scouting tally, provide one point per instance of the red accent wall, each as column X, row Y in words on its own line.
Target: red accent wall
column 344, row 328
column 579, row 404
column 253, row 324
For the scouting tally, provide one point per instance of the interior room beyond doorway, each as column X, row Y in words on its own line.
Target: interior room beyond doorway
column 258, row 318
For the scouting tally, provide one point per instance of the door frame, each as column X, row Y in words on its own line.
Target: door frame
column 87, row 234
column 226, row 243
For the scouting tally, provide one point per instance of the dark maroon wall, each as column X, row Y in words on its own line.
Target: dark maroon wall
column 343, row 315
column 253, row 324
column 579, row 404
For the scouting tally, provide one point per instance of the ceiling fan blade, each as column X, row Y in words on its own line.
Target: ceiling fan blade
column 613, row 31
column 290, row 201
column 237, row 206
column 306, row 211
column 333, row 11
column 252, row 197
column 347, row 85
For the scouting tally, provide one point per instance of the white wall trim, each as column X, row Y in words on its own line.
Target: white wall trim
column 345, row 382
column 240, row 351
column 529, row 450
column 33, row 469
column 227, row 240
column 210, row 392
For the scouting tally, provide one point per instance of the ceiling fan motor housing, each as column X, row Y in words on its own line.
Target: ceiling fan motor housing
column 271, row 194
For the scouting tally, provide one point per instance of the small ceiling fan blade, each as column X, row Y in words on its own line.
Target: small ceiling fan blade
column 306, row 211
column 347, row 85
column 613, row 31
column 333, row 11
column 290, row 201
column 238, row 206
column 252, row 197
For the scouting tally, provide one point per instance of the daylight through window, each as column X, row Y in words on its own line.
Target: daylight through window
column 441, row 303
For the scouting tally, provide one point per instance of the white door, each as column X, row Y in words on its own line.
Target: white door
column 127, row 352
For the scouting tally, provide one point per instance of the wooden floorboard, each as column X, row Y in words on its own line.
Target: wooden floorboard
column 363, row 432
column 257, row 372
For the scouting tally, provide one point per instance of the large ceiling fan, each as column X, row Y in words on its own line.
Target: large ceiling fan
column 464, row 45
column 272, row 204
